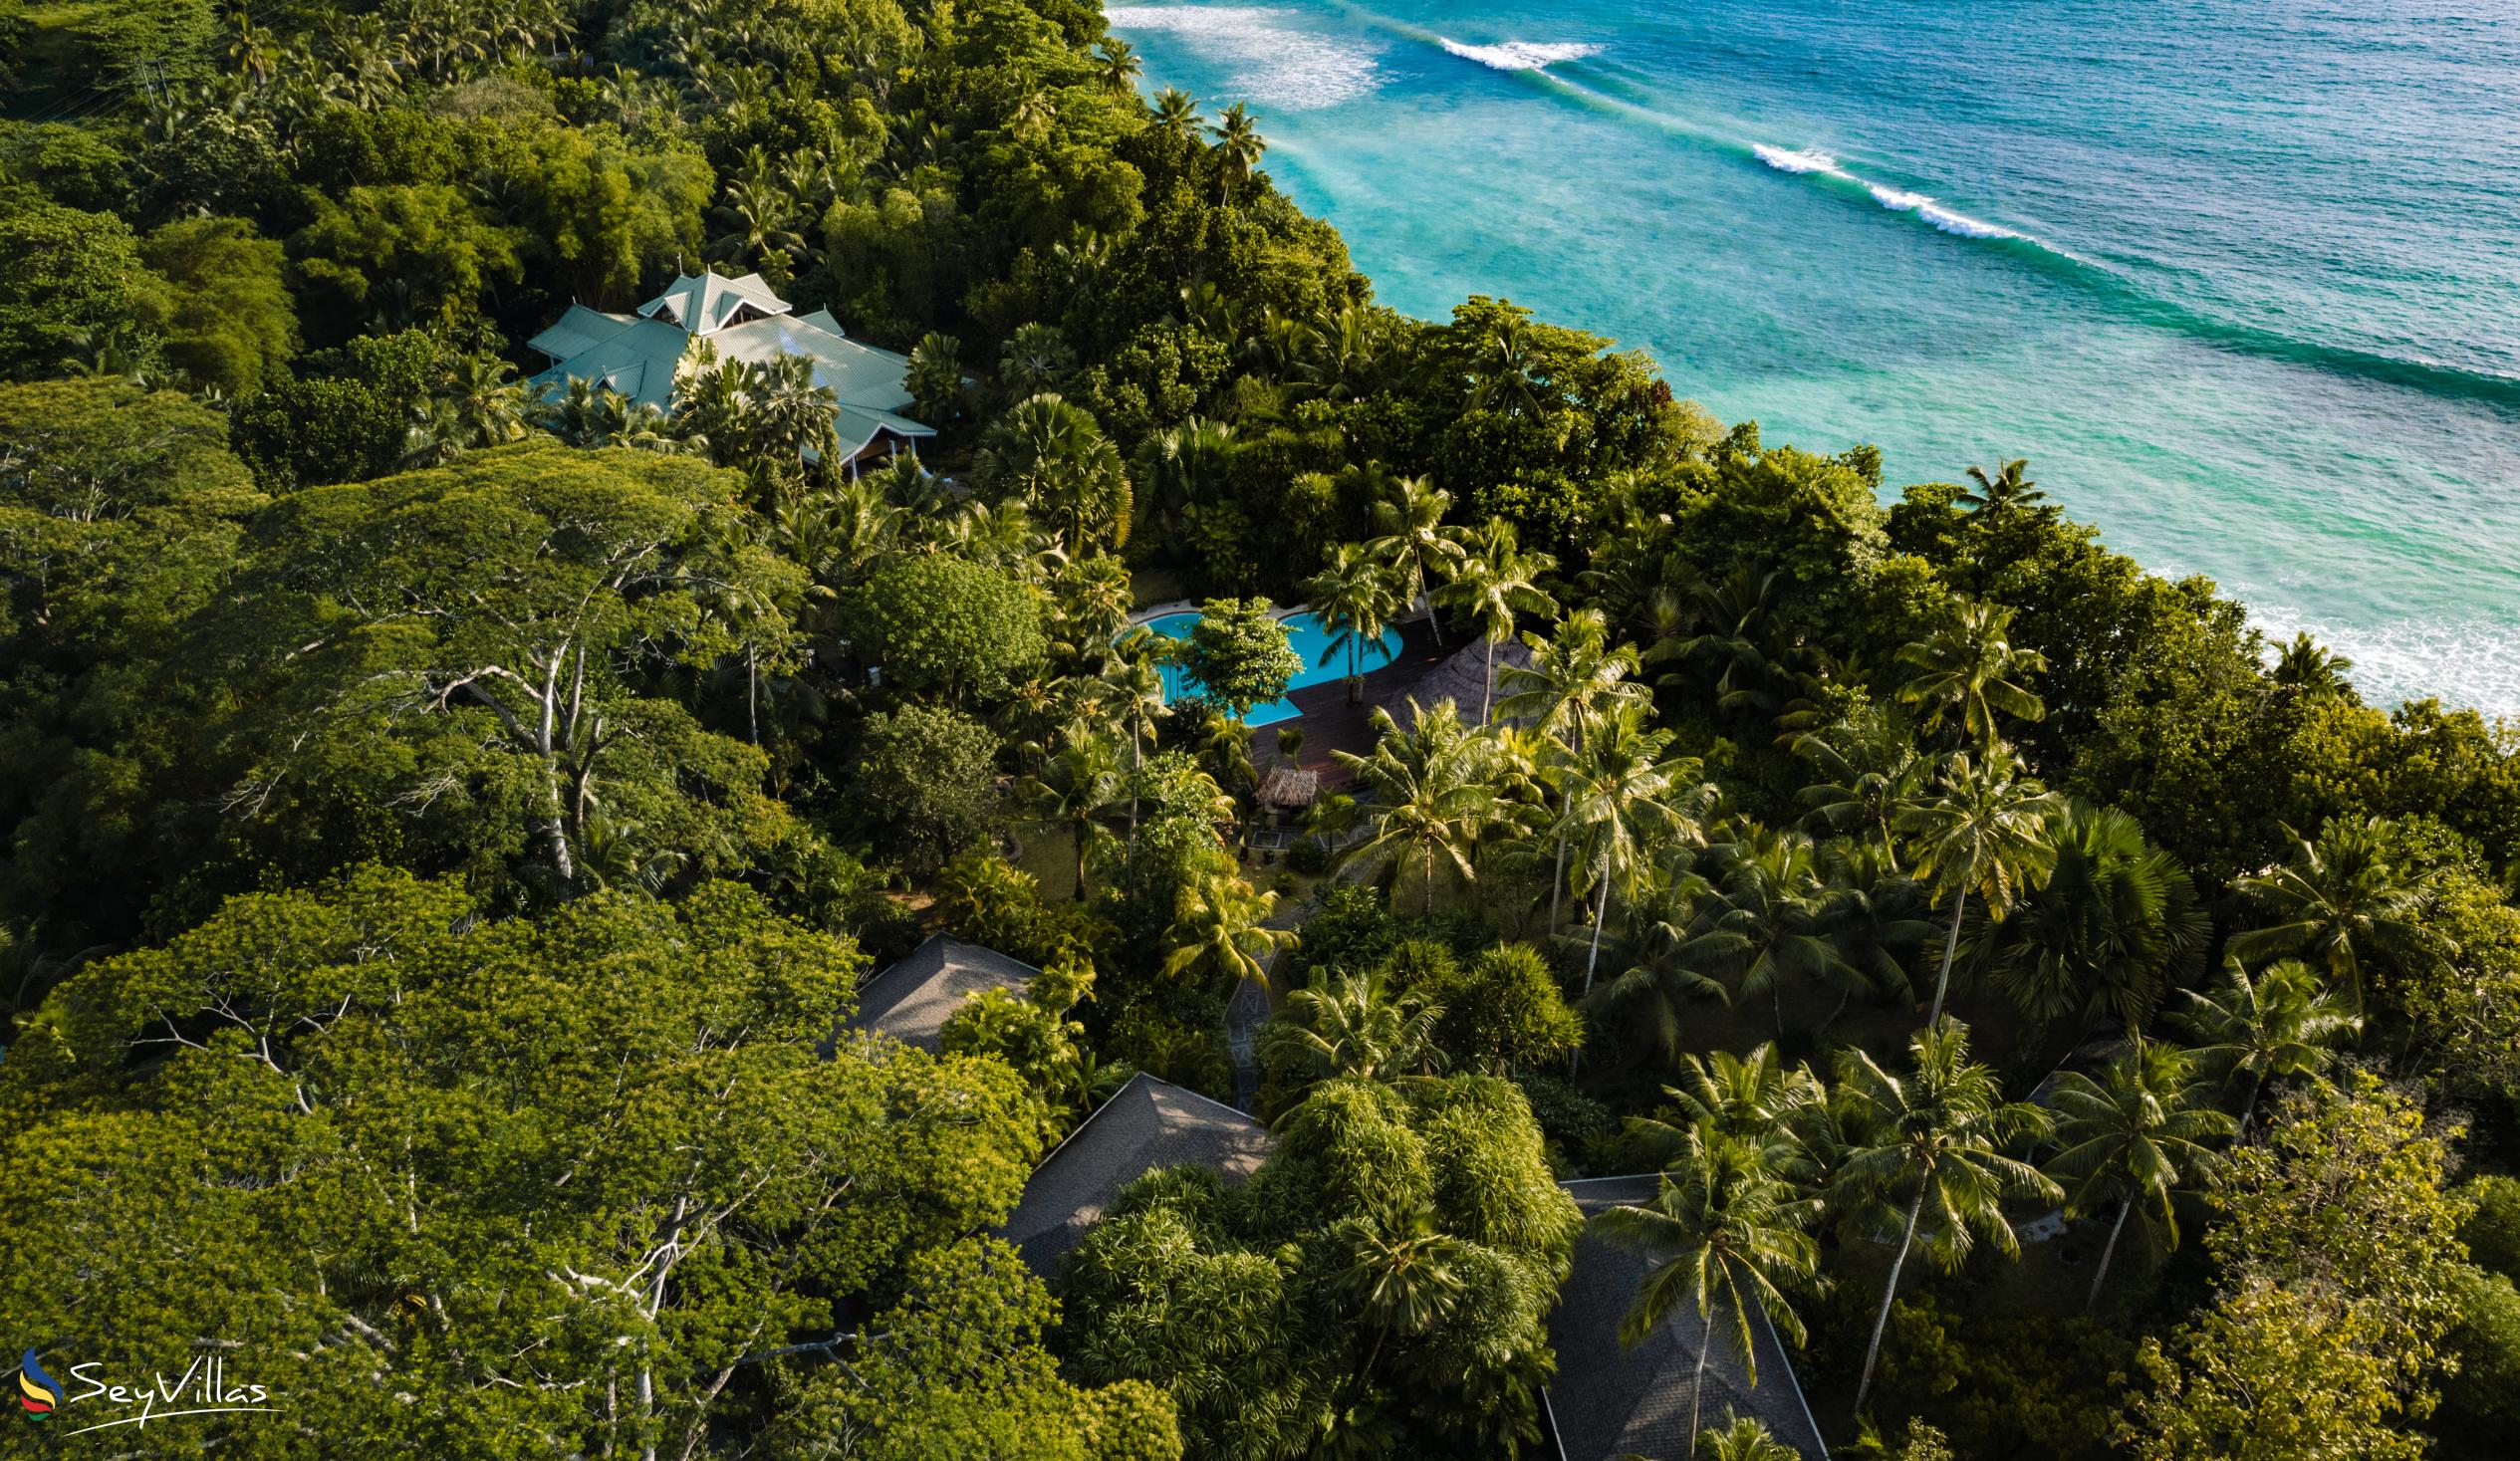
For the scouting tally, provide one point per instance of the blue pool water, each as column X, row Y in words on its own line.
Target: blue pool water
column 2241, row 278
column 1306, row 636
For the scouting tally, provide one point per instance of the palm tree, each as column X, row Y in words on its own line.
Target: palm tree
column 1754, row 1097
column 1177, row 114
column 1729, row 1236
column 1221, row 922
column 1117, row 63
column 1930, row 1140
column 1133, row 691
column 1354, row 1027
column 2115, row 922
column 1494, row 583
column 1985, row 830
column 2280, row 1023
column 1238, row 144
column 1415, row 547
column 1074, row 788
column 1508, row 375
column 1401, row 1278
column 1035, row 359
column 2134, row 1137
column 1744, row 1438
column 1052, row 456
column 1351, row 597
column 1619, row 791
column 1177, row 462
column 2338, row 902
column 492, row 408
column 2003, row 490
column 1769, row 918
column 1434, row 792
column 1575, row 677
column 1871, row 775
column 2306, row 666
column 1971, row 672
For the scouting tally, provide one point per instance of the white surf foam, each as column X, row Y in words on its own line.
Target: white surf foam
column 1946, row 219
column 1787, row 160
column 1269, row 54
column 1520, row 55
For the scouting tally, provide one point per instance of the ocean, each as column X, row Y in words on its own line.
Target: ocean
column 2241, row 278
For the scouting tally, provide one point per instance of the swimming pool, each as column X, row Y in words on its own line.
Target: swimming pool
column 1306, row 636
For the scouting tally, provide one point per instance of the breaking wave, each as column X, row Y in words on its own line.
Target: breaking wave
column 1519, row 55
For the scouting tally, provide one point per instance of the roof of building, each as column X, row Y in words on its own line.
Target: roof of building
column 1609, row 1401
column 640, row 354
column 1150, row 1124
column 1464, row 679
column 912, row 998
column 706, row 303
column 1290, row 786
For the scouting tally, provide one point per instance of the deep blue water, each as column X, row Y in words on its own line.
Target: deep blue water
column 2240, row 277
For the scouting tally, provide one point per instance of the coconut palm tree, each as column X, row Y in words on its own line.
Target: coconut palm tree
column 2281, row 1022
column 1619, row 792
column 492, row 408
column 1971, row 672
column 1768, row 921
column 2306, row 666
column 1116, row 63
column 1238, row 146
column 1575, row 677
column 1415, row 547
column 1928, row 1144
column 1869, row 776
column 1984, row 830
column 1744, row 1438
column 1176, row 115
column 2006, row 489
column 1495, row 581
column 1220, row 925
column 2135, row 1139
column 1133, row 691
column 1756, row 1097
column 2115, row 922
column 1353, row 597
column 1508, row 377
column 1435, row 788
column 1074, row 788
column 1353, row 1027
column 1728, row 1237
column 2338, row 903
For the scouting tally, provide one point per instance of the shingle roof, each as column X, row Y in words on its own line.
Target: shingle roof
column 912, row 1000
column 1150, row 1124
column 1609, row 1401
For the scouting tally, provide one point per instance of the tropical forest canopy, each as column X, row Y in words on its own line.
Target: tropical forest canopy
column 444, row 821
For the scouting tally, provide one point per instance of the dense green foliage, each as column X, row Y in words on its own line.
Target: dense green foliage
column 446, row 821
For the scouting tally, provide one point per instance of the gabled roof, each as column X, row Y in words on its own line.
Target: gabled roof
column 912, row 1000
column 579, row 331
column 640, row 355
column 1609, row 1401
column 1150, row 1124
column 704, row 303
column 638, row 360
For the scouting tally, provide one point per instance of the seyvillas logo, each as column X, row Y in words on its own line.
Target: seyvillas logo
column 204, row 1388
column 37, row 1391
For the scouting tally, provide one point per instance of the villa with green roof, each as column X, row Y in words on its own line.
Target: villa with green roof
column 640, row 354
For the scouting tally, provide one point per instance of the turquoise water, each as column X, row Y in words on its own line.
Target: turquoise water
column 2241, row 278
column 1305, row 635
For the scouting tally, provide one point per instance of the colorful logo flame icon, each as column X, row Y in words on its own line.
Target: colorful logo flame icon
column 37, row 1391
